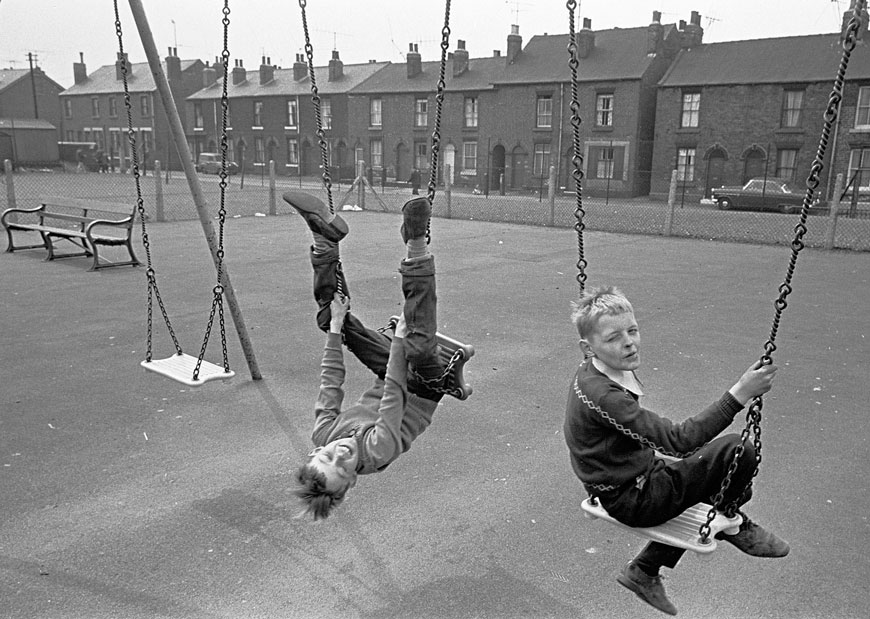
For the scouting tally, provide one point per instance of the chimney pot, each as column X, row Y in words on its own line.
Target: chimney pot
column 514, row 44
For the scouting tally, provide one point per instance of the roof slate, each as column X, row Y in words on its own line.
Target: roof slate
column 25, row 123
column 283, row 83
column 103, row 80
column 798, row 59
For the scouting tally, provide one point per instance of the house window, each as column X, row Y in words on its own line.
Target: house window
column 421, row 155
column 685, row 164
column 541, row 164
column 326, row 113
column 258, row 114
column 544, row 113
column 67, row 109
column 145, row 105
column 95, row 107
column 690, row 110
column 70, row 135
column 197, row 115
column 604, row 164
column 377, row 151
column 259, row 150
column 113, row 107
column 292, row 113
column 859, row 168
column 862, row 112
column 604, row 110
column 792, row 101
column 421, row 113
column 375, row 113
column 786, row 163
column 469, row 156
column 292, row 151
column 146, row 142
column 470, row 111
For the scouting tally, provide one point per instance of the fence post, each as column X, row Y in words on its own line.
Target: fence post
column 273, row 208
column 158, row 193
column 361, row 186
column 551, row 194
column 834, row 212
column 448, row 185
column 672, row 199
column 10, row 189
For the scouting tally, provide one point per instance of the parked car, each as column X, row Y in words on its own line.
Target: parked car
column 770, row 194
column 210, row 163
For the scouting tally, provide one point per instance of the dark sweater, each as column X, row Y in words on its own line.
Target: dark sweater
column 612, row 439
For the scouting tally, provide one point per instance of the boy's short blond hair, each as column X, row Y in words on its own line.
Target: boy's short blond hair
column 595, row 303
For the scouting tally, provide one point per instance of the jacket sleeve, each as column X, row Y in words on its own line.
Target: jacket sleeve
column 628, row 417
column 331, row 395
column 384, row 442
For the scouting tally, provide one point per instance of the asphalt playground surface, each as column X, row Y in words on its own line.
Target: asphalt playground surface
column 124, row 495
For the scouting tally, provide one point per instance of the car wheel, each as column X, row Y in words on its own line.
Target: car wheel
column 788, row 209
column 724, row 204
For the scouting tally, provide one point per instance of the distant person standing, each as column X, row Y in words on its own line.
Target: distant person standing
column 415, row 182
column 80, row 161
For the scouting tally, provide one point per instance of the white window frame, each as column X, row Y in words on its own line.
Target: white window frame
column 541, row 159
column 792, row 107
column 690, row 110
column 469, row 156
column 257, row 119
column 376, row 112
column 686, row 157
column 471, row 112
column 292, row 114
column 544, row 112
column 862, row 108
column 326, row 113
column 421, row 112
column 376, row 150
column 604, row 110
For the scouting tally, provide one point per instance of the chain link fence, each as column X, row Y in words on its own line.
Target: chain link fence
column 167, row 197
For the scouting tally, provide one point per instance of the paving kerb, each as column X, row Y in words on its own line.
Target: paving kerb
column 125, row 494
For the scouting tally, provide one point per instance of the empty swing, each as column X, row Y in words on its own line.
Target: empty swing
column 181, row 367
column 452, row 352
column 695, row 528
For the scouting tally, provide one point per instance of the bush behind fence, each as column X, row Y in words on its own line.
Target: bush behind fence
column 261, row 194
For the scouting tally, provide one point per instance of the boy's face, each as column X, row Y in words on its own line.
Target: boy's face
column 337, row 460
column 616, row 341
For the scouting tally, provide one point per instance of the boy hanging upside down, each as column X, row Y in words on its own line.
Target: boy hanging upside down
column 367, row 436
column 612, row 442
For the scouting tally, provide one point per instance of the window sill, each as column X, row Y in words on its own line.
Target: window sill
column 291, row 128
column 256, row 128
column 603, row 128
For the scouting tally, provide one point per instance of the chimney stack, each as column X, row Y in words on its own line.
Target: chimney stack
column 414, row 60
column 585, row 39
column 847, row 15
column 336, row 67
column 655, row 32
column 514, row 44
column 173, row 66
column 460, row 59
column 209, row 76
column 267, row 71
column 692, row 33
column 239, row 73
column 80, row 70
column 300, row 68
column 119, row 72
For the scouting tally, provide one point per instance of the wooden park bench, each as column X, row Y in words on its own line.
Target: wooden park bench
column 87, row 224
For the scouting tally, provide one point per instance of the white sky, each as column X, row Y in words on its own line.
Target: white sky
column 56, row 31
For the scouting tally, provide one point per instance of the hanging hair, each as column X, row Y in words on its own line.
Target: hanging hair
column 595, row 303
column 318, row 500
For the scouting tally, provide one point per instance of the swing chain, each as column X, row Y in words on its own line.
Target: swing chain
column 318, row 115
column 153, row 290
column 576, row 158
column 753, row 415
column 439, row 103
column 217, row 305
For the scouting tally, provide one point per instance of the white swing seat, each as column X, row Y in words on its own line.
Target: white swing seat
column 682, row 531
column 180, row 368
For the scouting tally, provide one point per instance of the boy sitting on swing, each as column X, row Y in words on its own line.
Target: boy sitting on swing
column 366, row 437
column 612, row 442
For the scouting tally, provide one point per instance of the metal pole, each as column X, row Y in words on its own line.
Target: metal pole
column 178, row 137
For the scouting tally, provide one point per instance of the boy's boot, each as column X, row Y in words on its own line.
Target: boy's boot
column 755, row 540
column 415, row 220
column 648, row 588
column 317, row 216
